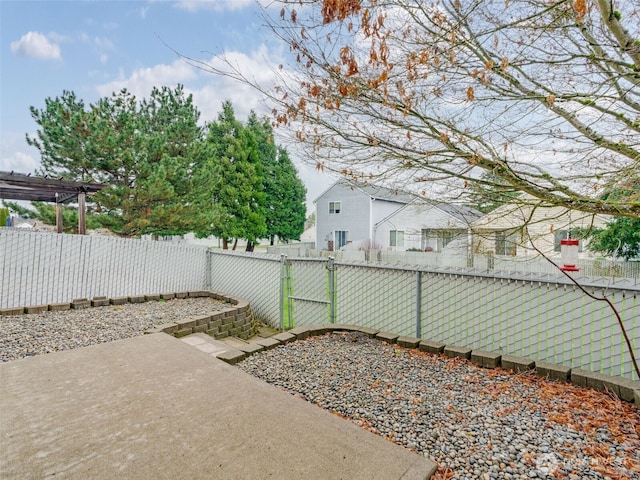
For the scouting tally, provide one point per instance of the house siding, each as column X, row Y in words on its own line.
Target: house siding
column 353, row 217
column 412, row 219
column 541, row 225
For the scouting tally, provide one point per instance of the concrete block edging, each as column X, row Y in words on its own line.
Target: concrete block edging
column 236, row 312
column 624, row 388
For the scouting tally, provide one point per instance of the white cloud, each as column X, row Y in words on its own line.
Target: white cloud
column 141, row 82
column 37, row 45
column 258, row 68
column 217, row 5
column 19, row 162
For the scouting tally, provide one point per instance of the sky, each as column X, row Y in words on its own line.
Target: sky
column 94, row 48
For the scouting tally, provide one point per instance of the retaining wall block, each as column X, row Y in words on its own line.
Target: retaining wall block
column 80, row 303
column 202, row 320
column 100, row 302
column 136, row 299
column 485, row 359
column 408, row 342
column 119, row 300
column 232, row 356
column 431, row 347
column 183, row 332
column 182, row 294
column 284, row 337
column 201, row 328
column 579, row 377
column 152, row 298
column 628, row 389
column 169, row 328
column 517, row 364
column 251, row 348
column 268, row 343
column 300, row 332
column 59, row 307
column 36, row 309
column 198, row 294
column 387, row 337
column 12, row 311
column 553, row 371
column 457, row 351
column 168, row 296
column 370, row 332
column 186, row 323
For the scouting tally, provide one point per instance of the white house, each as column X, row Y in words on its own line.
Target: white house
column 347, row 212
column 427, row 226
column 515, row 229
column 372, row 217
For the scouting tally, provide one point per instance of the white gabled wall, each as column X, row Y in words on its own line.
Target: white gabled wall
column 541, row 223
column 412, row 219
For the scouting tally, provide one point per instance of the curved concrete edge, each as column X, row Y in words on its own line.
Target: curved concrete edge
column 623, row 388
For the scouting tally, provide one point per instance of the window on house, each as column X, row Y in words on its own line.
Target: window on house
column 335, row 207
column 341, row 238
column 506, row 243
column 447, row 236
column 396, row 238
column 559, row 235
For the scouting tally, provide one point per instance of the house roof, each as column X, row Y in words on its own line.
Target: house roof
column 529, row 210
column 464, row 214
column 461, row 212
column 376, row 192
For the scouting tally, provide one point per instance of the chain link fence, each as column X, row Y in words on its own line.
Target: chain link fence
column 254, row 277
column 38, row 268
column 542, row 317
column 545, row 318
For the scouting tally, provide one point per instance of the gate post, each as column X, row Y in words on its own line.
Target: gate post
column 282, row 280
column 331, row 267
column 418, row 304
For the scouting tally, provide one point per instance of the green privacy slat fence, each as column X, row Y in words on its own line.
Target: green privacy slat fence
column 545, row 319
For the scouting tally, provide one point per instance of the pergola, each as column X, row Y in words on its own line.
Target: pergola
column 20, row 186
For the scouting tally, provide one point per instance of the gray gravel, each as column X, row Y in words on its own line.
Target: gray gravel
column 26, row 335
column 476, row 423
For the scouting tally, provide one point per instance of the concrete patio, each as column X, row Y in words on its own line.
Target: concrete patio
column 158, row 407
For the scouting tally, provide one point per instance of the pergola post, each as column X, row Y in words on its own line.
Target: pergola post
column 58, row 215
column 82, row 227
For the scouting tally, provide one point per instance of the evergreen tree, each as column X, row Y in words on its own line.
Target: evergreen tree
column 145, row 151
column 232, row 179
column 285, row 193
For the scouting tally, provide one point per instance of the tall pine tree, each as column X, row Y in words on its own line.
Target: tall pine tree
column 232, row 179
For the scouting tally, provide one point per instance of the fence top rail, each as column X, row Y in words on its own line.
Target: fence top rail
column 586, row 282
column 252, row 255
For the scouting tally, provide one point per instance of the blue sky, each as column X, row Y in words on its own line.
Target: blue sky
column 94, row 48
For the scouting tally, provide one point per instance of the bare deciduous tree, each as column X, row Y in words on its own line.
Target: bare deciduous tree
column 543, row 95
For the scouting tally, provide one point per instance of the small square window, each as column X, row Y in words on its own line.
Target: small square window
column 335, row 207
column 396, row 238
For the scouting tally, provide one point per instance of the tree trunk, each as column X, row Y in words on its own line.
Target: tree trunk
column 235, row 244
column 250, row 246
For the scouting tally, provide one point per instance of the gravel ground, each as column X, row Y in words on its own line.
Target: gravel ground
column 476, row 423
column 25, row 335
